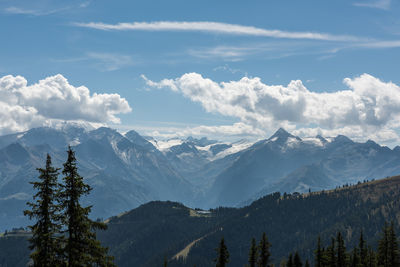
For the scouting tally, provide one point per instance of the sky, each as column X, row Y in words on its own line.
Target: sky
column 222, row 69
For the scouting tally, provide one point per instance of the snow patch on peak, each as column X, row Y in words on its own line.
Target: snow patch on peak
column 19, row 136
column 165, row 145
column 236, row 147
column 292, row 141
column 273, row 139
column 123, row 155
column 75, row 142
column 314, row 141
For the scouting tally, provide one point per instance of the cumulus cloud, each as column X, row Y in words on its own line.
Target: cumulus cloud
column 214, row 27
column 23, row 106
column 367, row 107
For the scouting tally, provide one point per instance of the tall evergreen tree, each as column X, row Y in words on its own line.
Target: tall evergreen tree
column 383, row 247
column 371, row 258
column 297, row 260
column 393, row 246
column 341, row 251
column 45, row 232
column 331, row 254
column 307, row 263
column 253, row 253
column 81, row 246
column 355, row 259
column 222, row 254
column 363, row 251
column 290, row 261
column 318, row 254
column 264, row 253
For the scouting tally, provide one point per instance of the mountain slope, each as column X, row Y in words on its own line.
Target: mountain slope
column 127, row 170
column 291, row 223
column 124, row 173
column 286, row 163
column 145, row 235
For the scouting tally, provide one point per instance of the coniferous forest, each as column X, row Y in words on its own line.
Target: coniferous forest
column 348, row 226
column 182, row 133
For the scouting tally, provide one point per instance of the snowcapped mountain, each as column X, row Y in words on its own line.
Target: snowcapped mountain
column 200, row 160
column 287, row 163
column 124, row 171
column 128, row 169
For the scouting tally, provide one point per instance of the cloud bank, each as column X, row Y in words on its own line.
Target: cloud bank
column 24, row 106
column 214, row 27
column 370, row 108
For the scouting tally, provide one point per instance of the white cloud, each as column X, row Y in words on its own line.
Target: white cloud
column 226, row 68
column 367, row 109
column 38, row 8
column 266, row 50
column 380, row 4
column 101, row 61
column 23, row 106
column 33, row 12
column 380, row 44
column 214, row 27
column 230, row 53
column 110, row 61
column 225, row 132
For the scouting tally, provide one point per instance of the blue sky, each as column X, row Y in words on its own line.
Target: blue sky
column 224, row 69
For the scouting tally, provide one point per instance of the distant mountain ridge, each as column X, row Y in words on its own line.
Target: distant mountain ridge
column 286, row 163
column 127, row 170
column 291, row 222
column 144, row 236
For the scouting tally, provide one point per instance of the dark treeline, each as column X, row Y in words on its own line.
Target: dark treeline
column 335, row 254
column 157, row 231
column 63, row 234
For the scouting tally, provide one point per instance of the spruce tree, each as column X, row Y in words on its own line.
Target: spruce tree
column 341, row 251
column 371, row 257
column 263, row 249
column 355, row 260
column 307, row 264
column 331, row 254
column 81, row 247
column 296, row 260
column 45, row 232
column 318, row 254
column 363, row 251
column 290, row 261
column 253, row 253
column 383, row 247
column 222, row 254
column 393, row 247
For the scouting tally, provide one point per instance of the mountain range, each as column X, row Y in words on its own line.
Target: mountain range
column 159, row 230
column 127, row 170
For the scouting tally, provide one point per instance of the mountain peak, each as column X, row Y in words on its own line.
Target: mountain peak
column 281, row 132
column 322, row 139
column 104, row 132
column 342, row 139
column 137, row 139
column 204, row 141
column 282, row 135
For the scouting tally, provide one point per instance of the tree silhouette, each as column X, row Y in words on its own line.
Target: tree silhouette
column 45, row 232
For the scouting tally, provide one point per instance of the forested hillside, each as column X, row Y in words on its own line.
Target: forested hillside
column 292, row 222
